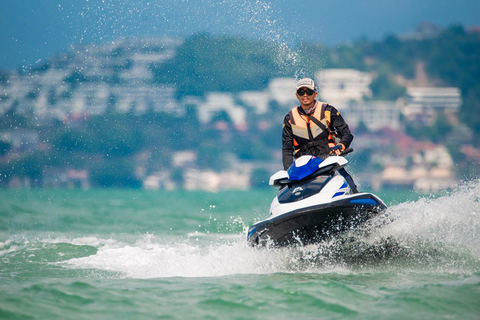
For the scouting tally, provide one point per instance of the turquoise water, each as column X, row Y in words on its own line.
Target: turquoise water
column 131, row 254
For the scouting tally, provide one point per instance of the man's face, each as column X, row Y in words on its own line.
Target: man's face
column 304, row 97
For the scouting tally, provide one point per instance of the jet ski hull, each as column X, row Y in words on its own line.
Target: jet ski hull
column 315, row 223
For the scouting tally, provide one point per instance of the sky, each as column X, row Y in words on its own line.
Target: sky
column 32, row 31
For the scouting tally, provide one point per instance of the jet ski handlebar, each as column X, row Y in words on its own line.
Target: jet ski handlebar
column 346, row 151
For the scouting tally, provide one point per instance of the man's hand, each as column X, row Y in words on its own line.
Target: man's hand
column 337, row 149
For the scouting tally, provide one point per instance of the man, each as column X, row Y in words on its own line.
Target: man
column 311, row 129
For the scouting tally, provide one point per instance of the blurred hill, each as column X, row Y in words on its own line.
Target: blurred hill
column 113, row 114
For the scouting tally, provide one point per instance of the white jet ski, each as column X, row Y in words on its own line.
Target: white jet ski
column 314, row 202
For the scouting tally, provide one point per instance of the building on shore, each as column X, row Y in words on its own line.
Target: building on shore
column 422, row 105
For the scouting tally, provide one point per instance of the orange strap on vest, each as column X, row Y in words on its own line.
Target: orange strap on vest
column 320, row 122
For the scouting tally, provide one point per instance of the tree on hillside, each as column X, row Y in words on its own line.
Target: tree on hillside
column 205, row 63
column 454, row 57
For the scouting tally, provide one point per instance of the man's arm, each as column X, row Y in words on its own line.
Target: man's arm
column 341, row 127
column 287, row 143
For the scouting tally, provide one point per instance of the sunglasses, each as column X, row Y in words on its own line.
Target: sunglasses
column 301, row 92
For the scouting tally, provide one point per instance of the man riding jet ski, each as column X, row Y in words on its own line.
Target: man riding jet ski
column 314, row 202
column 317, row 196
column 314, row 128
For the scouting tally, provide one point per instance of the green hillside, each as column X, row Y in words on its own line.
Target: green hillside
column 111, row 145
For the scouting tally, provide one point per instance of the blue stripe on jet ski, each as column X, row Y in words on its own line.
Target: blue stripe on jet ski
column 251, row 232
column 364, row 201
column 338, row 194
column 344, row 185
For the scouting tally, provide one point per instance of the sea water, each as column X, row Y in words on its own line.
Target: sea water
column 133, row 254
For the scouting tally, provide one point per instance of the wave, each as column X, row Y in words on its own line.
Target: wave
column 429, row 235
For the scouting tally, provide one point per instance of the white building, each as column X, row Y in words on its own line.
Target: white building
column 142, row 98
column 258, row 100
column 374, row 114
column 90, row 98
column 219, row 101
column 159, row 180
column 422, row 104
column 282, row 91
column 338, row 86
column 209, row 180
column 140, row 71
column 184, row 158
column 431, row 170
column 201, row 180
column 47, row 93
column 437, row 156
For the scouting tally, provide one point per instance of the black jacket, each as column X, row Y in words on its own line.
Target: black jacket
column 337, row 126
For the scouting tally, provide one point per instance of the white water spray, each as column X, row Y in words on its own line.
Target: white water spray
column 437, row 230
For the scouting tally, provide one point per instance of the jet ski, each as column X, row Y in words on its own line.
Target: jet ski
column 313, row 202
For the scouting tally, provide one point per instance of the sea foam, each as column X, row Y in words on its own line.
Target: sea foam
column 432, row 233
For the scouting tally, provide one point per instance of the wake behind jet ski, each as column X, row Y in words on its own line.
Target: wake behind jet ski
column 314, row 202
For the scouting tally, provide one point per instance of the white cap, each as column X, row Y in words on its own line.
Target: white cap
column 306, row 83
